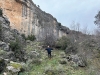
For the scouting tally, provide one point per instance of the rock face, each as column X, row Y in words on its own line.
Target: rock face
column 7, row 37
column 28, row 19
column 6, row 33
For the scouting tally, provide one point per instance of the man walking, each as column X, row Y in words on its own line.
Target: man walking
column 49, row 50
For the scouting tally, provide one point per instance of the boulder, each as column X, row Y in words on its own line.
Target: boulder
column 78, row 60
column 4, row 46
column 14, row 67
column 4, row 73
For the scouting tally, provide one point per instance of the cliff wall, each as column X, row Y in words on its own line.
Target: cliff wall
column 29, row 19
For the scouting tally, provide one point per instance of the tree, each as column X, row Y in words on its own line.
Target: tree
column 72, row 26
column 85, row 30
column 38, row 6
column 75, row 26
column 97, row 19
column 76, row 30
column 1, row 12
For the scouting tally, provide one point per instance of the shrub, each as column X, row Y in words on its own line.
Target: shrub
column 0, row 12
column 2, row 65
column 0, row 27
column 31, row 37
column 71, row 49
column 23, row 35
column 16, row 65
column 16, row 48
column 36, row 61
column 62, row 43
column 0, row 30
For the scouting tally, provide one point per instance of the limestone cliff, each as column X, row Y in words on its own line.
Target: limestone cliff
column 29, row 19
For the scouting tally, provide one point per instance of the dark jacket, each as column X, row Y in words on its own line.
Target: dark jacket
column 49, row 50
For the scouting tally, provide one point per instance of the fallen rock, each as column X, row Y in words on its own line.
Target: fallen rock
column 4, row 46
column 14, row 67
column 78, row 60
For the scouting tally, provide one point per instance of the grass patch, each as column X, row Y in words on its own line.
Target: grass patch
column 16, row 65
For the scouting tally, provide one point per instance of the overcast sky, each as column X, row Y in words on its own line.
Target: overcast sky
column 67, row 11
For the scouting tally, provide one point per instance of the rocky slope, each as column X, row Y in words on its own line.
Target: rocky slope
column 38, row 63
column 7, row 37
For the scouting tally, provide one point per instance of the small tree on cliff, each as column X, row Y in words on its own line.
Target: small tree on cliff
column 0, row 12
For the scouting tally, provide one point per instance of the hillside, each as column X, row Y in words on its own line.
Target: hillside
column 74, row 53
column 58, row 64
column 38, row 63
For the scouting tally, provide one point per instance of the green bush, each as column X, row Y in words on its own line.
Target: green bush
column 71, row 49
column 0, row 27
column 16, row 48
column 23, row 35
column 31, row 37
column 2, row 65
column 0, row 30
column 62, row 43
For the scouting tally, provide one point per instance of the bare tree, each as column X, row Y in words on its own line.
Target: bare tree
column 76, row 29
column 72, row 26
column 75, row 26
